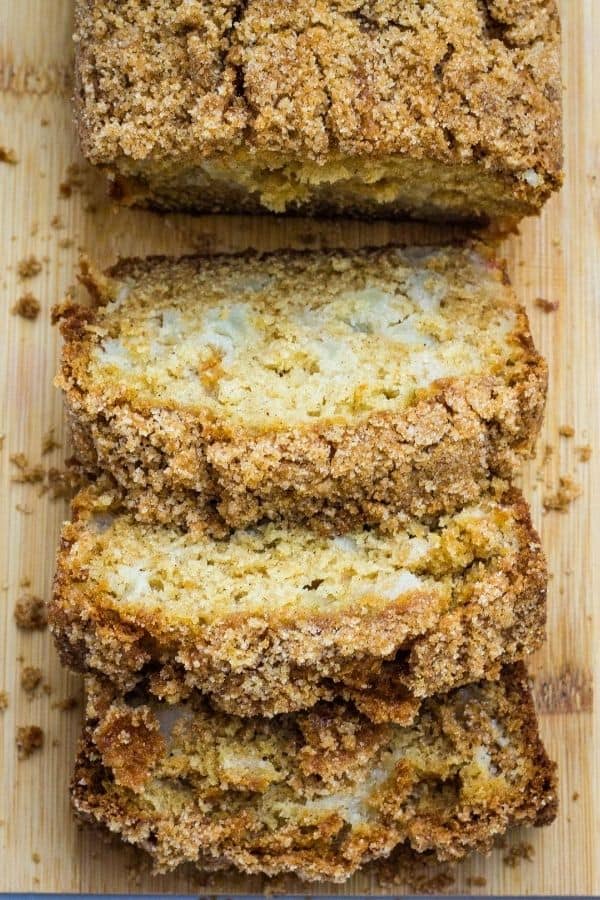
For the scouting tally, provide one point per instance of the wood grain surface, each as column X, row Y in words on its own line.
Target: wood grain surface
column 556, row 258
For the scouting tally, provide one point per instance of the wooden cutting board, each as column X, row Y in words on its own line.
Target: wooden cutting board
column 556, row 258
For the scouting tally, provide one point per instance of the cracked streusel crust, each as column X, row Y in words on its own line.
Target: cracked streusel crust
column 450, row 109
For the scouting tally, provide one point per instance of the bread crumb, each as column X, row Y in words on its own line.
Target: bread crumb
column 421, row 876
column 584, row 454
column 476, row 881
column 35, row 857
column 8, row 156
column 30, row 613
column 2, row 439
column 27, row 474
column 566, row 494
column 27, row 306
column 65, row 243
column 29, row 267
column 516, row 854
column 22, row 508
column 3, row 700
column 73, row 181
column 49, row 442
column 566, row 431
column 56, row 222
column 575, row 796
column 31, row 677
column 44, row 122
column 66, row 705
column 548, row 306
column 61, row 483
column 29, row 739
column 25, row 582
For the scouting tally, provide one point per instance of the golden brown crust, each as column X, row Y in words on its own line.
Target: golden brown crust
column 383, row 657
column 332, row 791
column 166, row 92
column 426, row 459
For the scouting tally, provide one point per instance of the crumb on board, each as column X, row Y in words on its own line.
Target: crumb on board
column 49, row 442
column 56, row 222
column 548, row 306
column 44, row 122
column 36, row 858
column 7, row 155
column 29, row 267
column 517, row 853
column 3, row 700
column 25, row 581
column 27, row 306
column 28, row 474
column 47, row 689
column 29, row 739
column 476, row 881
column 421, row 876
column 584, row 454
column 61, row 483
column 74, row 180
column 65, row 243
column 566, row 431
column 31, row 677
column 24, row 509
column 575, row 796
column 2, row 439
column 66, row 704
column 567, row 492
column 30, row 613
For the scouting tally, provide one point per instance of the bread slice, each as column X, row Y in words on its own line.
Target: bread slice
column 444, row 110
column 337, row 385
column 274, row 618
column 317, row 793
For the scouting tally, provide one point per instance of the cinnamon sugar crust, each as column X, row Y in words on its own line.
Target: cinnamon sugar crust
column 389, row 381
column 318, row 793
column 446, row 110
column 275, row 618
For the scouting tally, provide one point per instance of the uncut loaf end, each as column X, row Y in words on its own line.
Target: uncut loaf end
column 448, row 110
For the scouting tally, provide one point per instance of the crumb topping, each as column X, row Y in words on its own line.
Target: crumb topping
column 453, row 80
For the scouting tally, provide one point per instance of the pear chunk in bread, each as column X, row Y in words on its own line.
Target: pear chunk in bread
column 317, row 793
column 310, row 386
column 275, row 617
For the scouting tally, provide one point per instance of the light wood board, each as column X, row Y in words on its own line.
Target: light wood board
column 557, row 258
